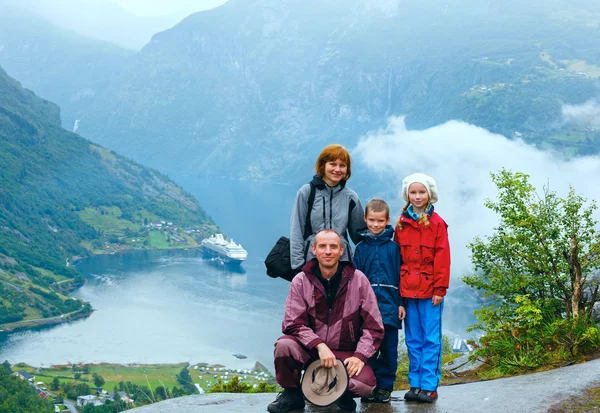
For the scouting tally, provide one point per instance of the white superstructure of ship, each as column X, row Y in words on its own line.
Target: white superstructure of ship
column 226, row 250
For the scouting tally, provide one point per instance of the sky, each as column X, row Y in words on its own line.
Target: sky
column 127, row 23
column 166, row 8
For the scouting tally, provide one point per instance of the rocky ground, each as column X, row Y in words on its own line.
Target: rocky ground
column 548, row 391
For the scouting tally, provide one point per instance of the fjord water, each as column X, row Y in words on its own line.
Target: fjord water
column 175, row 306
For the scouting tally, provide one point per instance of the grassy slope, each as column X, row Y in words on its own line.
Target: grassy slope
column 62, row 197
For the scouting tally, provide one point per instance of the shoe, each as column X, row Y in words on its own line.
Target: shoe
column 382, row 396
column 427, row 396
column 346, row 402
column 287, row 400
column 370, row 398
column 412, row 394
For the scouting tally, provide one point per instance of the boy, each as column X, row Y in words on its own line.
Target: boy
column 378, row 257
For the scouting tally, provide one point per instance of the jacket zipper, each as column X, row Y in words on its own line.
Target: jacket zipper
column 329, row 311
column 324, row 218
column 331, row 208
column 340, row 287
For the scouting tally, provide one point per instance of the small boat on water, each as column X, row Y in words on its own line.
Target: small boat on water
column 226, row 250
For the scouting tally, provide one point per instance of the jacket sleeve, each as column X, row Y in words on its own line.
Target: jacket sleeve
column 295, row 318
column 356, row 219
column 441, row 261
column 358, row 259
column 396, row 261
column 297, row 223
column 372, row 325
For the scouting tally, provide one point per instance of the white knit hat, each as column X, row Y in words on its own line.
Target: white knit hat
column 420, row 178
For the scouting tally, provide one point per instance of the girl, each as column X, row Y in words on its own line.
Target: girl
column 424, row 276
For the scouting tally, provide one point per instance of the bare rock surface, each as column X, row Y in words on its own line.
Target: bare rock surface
column 524, row 394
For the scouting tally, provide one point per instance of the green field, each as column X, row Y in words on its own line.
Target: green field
column 155, row 374
column 583, row 66
column 51, row 274
column 157, row 240
column 107, row 221
column 152, row 375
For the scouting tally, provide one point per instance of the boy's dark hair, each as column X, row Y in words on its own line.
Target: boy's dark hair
column 377, row 205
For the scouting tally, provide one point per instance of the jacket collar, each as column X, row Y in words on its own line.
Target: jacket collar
column 412, row 216
column 386, row 235
column 318, row 182
column 311, row 266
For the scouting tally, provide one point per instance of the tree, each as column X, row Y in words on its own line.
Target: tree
column 98, row 379
column 185, row 379
column 55, row 384
column 161, row 393
column 545, row 247
column 77, row 375
column 6, row 365
column 539, row 270
column 18, row 396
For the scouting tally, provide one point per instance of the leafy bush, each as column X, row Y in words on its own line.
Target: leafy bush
column 538, row 272
column 235, row 386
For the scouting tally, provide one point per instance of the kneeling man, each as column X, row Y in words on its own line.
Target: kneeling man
column 331, row 312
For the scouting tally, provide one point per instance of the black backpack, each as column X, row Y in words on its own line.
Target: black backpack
column 278, row 262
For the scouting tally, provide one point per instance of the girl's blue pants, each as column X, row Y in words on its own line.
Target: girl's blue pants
column 423, row 334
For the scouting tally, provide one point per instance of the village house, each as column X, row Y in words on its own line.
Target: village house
column 124, row 397
column 83, row 401
column 23, row 375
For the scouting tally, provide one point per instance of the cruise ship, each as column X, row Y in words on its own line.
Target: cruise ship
column 226, row 250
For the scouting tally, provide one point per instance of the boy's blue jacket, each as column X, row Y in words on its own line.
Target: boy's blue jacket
column 378, row 256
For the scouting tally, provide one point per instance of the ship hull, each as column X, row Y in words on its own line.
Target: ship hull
column 225, row 259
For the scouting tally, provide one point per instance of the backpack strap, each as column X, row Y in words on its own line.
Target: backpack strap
column 311, row 201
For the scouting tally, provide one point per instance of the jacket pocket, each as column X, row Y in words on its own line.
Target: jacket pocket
column 351, row 331
column 427, row 250
column 409, row 281
column 427, row 254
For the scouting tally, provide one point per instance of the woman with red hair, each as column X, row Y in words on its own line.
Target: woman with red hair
column 335, row 206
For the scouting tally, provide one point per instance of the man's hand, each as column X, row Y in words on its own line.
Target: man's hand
column 436, row 300
column 326, row 355
column 401, row 313
column 354, row 366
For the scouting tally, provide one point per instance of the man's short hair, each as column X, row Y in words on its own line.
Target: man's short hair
column 377, row 205
column 327, row 230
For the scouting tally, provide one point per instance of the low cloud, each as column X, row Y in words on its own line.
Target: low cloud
column 586, row 114
column 461, row 157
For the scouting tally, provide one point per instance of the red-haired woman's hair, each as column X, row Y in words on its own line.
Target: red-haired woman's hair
column 330, row 154
column 423, row 218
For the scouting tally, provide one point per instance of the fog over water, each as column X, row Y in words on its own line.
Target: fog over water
column 461, row 157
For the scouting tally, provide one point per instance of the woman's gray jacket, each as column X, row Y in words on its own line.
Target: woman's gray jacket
column 336, row 208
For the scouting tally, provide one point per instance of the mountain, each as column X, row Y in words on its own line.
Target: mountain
column 255, row 88
column 57, row 64
column 63, row 198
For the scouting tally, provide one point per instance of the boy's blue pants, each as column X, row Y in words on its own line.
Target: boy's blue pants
column 385, row 362
column 423, row 334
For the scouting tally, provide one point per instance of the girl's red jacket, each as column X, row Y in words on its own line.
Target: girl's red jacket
column 425, row 251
